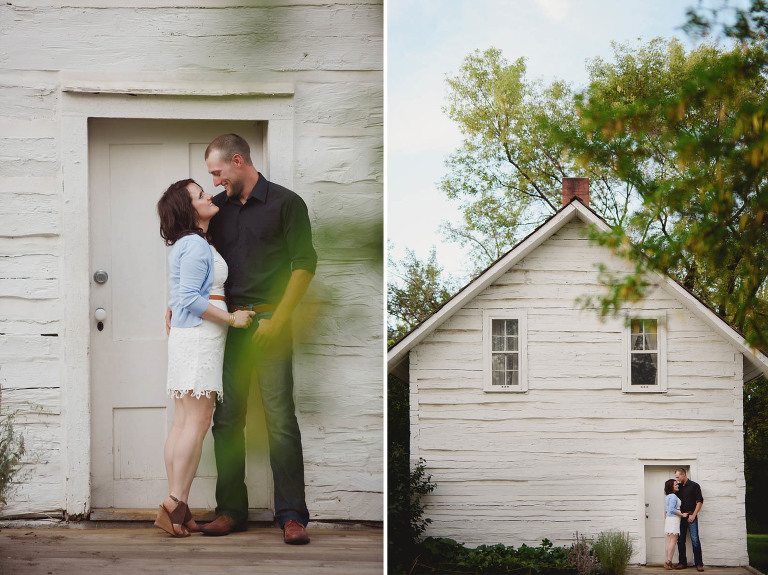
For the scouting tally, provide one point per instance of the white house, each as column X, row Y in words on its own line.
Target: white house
column 101, row 108
column 537, row 419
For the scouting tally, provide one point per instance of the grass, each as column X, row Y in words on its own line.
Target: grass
column 757, row 545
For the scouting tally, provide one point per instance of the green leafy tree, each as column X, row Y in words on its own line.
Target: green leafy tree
column 405, row 509
column 740, row 22
column 416, row 289
column 673, row 144
column 749, row 27
column 756, row 454
column 507, row 174
column 694, row 149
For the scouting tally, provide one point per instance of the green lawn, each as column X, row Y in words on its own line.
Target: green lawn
column 757, row 545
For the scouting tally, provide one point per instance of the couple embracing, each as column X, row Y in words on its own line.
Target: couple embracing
column 683, row 502
column 240, row 263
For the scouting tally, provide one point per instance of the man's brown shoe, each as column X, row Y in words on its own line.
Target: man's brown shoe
column 223, row 525
column 680, row 566
column 294, row 533
column 699, row 567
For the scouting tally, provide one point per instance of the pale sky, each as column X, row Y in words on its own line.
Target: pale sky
column 428, row 40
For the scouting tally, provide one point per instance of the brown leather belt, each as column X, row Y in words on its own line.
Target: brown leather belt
column 257, row 308
column 218, row 297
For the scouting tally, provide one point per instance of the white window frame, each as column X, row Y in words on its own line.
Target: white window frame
column 661, row 334
column 522, row 331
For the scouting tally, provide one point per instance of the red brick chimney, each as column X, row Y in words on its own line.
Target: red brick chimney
column 575, row 188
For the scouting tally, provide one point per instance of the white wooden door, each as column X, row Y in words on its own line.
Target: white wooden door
column 655, row 539
column 131, row 162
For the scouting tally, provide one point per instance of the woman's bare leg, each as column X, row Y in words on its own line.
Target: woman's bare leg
column 191, row 420
column 189, row 443
column 170, row 442
column 670, row 545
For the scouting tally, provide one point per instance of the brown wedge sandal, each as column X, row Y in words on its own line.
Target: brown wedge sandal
column 166, row 520
column 190, row 523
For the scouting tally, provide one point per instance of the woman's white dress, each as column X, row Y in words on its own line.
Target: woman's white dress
column 196, row 354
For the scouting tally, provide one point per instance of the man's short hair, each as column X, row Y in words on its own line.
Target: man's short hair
column 228, row 145
column 682, row 470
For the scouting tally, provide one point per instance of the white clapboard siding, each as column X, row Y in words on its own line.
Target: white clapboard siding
column 328, row 59
column 30, row 264
column 567, row 455
column 27, row 102
column 234, row 39
column 339, row 164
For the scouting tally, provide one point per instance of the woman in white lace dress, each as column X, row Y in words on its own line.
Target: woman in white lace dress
column 672, row 517
column 196, row 338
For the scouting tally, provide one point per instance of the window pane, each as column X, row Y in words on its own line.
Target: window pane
column 637, row 342
column 498, row 378
column 512, row 377
column 651, row 342
column 512, row 362
column 644, row 334
column 505, row 352
column 644, row 368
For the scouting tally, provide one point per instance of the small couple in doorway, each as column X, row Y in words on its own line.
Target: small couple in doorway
column 239, row 264
column 683, row 503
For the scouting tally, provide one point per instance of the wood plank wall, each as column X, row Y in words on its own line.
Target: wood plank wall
column 566, row 456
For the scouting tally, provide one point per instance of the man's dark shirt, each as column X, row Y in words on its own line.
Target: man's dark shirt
column 262, row 241
column 689, row 495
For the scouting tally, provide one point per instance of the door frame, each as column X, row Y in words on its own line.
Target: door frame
column 690, row 463
column 89, row 98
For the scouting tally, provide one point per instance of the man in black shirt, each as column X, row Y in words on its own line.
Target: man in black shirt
column 691, row 501
column 262, row 231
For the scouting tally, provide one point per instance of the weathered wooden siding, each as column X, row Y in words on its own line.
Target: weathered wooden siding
column 567, row 455
column 331, row 56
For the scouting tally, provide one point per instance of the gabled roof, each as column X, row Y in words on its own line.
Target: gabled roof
column 398, row 353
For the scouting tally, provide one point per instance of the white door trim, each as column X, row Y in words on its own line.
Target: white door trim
column 76, row 108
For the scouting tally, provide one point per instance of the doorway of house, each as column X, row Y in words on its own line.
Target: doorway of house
column 131, row 162
column 655, row 476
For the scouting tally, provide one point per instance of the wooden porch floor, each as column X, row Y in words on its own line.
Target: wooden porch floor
column 142, row 549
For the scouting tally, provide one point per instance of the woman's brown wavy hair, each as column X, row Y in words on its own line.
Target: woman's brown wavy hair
column 178, row 217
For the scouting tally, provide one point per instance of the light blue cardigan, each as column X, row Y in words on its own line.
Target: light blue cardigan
column 672, row 502
column 190, row 277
